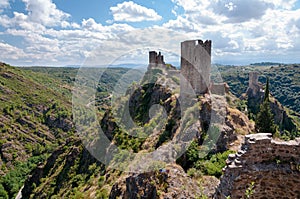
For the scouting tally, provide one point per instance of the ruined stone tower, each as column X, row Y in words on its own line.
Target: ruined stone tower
column 253, row 79
column 254, row 87
column 196, row 65
column 156, row 60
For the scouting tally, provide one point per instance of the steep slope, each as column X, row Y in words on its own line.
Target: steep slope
column 34, row 119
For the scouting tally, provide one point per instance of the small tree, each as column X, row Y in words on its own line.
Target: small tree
column 265, row 118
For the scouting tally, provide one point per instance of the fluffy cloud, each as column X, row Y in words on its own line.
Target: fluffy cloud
column 243, row 29
column 180, row 24
column 238, row 11
column 132, row 12
column 9, row 52
column 282, row 4
column 44, row 12
column 234, row 11
column 48, row 46
column 240, row 30
column 3, row 4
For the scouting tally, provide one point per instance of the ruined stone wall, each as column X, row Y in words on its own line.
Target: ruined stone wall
column 219, row 88
column 156, row 59
column 196, row 65
column 273, row 166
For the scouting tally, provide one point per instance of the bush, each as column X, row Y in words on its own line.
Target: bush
column 3, row 193
column 213, row 165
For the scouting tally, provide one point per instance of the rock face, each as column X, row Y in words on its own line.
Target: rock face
column 231, row 122
column 57, row 168
column 273, row 167
column 172, row 183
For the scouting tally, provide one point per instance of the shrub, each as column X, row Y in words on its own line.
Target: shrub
column 3, row 193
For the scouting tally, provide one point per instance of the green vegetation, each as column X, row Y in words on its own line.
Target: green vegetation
column 250, row 190
column 13, row 180
column 285, row 81
column 265, row 118
column 36, row 118
column 210, row 164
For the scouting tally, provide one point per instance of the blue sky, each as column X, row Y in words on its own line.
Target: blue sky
column 99, row 32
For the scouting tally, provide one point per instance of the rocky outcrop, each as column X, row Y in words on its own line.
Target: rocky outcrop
column 170, row 182
column 230, row 122
column 272, row 167
column 59, row 122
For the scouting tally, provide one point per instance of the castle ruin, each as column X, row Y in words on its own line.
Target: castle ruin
column 254, row 86
column 156, row 59
column 272, row 166
column 195, row 65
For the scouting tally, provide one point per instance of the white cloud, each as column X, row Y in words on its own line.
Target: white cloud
column 192, row 5
column 242, row 29
column 239, row 31
column 180, row 24
column 45, row 12
column 282, row 4
column 240, row 10
column 3, row 4
column 9, row 52
column 132, row 12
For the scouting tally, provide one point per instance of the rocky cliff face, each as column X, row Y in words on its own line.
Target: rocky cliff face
column 59, row 172
column 268, row 167
column 170, row 183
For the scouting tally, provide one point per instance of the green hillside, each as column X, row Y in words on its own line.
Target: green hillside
column 284, row 81
column 35, row 117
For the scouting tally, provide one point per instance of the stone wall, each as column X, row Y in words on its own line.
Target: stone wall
column 196, row 65
column 156, row 59
column 219, row 88
column 273, row 166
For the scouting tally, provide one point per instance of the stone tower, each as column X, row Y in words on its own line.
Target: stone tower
column 156, row 60
column 253, row 79
column 254, row 87
column 196, row 65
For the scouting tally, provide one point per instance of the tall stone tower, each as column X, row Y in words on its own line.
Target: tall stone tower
column 196, row 65
column 254, row 87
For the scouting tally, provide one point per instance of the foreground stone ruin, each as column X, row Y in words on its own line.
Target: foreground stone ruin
column 273, row 167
